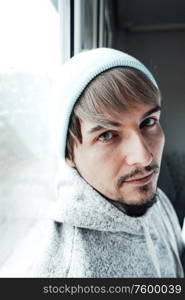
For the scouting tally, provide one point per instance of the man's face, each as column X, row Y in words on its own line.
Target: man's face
column 123, row 162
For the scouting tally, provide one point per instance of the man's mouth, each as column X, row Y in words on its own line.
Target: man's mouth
column 140, row 180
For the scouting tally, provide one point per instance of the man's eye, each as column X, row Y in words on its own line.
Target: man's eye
column 106, row 136
column 149, row 122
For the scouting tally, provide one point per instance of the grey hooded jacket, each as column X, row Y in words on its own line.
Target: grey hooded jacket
column 87, row 236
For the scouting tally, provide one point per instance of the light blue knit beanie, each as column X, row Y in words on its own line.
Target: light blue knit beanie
column 71, row 81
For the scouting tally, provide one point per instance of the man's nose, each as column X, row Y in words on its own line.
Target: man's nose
column 138, row 151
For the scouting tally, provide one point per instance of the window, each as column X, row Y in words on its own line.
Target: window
column 85, row 24
column 29, row 34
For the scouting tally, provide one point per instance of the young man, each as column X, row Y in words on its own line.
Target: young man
column 110, row 219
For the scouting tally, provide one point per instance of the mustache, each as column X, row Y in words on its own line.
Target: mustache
column 138, row 171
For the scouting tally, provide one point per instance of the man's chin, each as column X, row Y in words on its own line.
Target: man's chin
column 138, row 209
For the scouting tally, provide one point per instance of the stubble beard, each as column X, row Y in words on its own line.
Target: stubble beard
column 138, row 209
column 146, row 195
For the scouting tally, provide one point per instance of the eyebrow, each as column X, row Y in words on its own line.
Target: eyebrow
column 99, row 127
column 116, row 124
column 153, row 110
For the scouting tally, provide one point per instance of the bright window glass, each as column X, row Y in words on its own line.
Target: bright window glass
column 29, row 34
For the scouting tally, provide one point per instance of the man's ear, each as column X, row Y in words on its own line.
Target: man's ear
column 70, row 162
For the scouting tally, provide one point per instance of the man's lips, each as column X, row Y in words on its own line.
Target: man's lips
column 140, row 180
